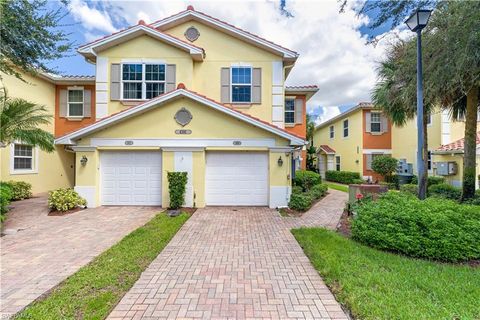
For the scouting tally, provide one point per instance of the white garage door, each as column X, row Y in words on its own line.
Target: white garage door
column 131, row 178
column 237, row 178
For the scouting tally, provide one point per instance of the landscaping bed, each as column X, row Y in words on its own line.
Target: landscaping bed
column 306, row 191
column 93, row 291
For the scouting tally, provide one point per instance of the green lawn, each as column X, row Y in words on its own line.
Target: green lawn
column 95, row 289
column 337, row 186
column 380, row 285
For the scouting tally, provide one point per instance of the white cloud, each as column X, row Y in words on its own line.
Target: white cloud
column 91, row 18
column 333, row 53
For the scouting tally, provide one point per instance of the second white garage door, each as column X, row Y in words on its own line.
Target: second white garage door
column 131, row 178
column 236, row 178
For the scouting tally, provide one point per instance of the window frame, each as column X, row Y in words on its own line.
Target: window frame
column 143, row 81
column 250, row 85
column 82, row 103
column 346, row 128
column 34, row 157
column 331, row 131
column 338, row 163
column 379, row 122
column 289, row 111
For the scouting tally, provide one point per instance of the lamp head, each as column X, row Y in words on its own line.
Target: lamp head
column 418, row 20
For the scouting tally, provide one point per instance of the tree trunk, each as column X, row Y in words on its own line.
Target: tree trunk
column 469, row 160
column 422, row 180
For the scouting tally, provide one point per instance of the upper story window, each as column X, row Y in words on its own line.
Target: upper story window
column 142, row 81
column 289, row 111
column 332, row 132
column 375, row 122
column 75, row 103
column 241, row 84
column 345, row 128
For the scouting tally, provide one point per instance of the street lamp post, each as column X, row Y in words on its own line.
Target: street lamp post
column 416, row 22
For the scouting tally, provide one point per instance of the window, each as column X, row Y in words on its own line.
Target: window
column 370, row 158
column 75, row 102
column 429, row 118
column 143, row 81
column 22, row 157
column 241, row 84
column 429, row 160
column 337, row 163
column 332, row 132
column 345, row 128
column 375, row 122
column 290, row 111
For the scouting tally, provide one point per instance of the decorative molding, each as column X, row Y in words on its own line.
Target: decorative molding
column 180, row 149
column 192, row 34
column 183, row 117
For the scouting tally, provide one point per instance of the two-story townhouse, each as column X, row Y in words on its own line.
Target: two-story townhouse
column 186, row 93
column 350, row 141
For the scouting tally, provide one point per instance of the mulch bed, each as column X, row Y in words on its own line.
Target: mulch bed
column 64, row 213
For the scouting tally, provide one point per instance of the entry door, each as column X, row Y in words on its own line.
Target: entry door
column 131, row 178
column 237, row 179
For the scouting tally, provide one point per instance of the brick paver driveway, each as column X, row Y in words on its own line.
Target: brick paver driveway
column 49, row 249
column 235, row 263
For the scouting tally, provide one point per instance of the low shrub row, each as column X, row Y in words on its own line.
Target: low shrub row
column 434, row 228
column 431, row 180
column 306, row 179
column 5, row 198
column 64, row 200
column 302, row 201
column 345, row 177
column 20, row 190
column 442, row 190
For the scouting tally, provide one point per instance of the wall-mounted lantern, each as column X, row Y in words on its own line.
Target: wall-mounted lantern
column 84, row 160
column 280, row 161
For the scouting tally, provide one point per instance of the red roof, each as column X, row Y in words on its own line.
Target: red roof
column 327, row 148
column 305, row 87
column 456, row 145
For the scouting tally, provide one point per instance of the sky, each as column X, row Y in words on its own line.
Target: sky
column 333, row 48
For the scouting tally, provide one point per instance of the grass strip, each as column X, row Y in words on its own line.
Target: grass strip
column 337, row 186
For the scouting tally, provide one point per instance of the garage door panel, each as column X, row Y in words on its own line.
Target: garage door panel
column 237, row 178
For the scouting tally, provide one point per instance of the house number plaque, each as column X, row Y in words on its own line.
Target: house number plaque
column 128, row 142
column 183, row 131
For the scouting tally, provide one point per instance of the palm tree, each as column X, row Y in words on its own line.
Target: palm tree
column 20, row 121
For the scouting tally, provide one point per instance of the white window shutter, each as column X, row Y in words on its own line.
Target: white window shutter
column 256, row 85
column 63, row 112
column 115, row 76
column 87, row 103
column 368, row 122
column 225, row 85
column 170, row 77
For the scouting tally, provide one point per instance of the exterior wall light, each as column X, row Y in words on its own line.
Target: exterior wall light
column 84, row 160
column 280, row 161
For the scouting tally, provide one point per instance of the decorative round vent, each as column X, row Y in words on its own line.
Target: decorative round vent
column 192, row 34
column 183, row 117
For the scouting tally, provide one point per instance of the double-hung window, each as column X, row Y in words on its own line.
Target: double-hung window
column 375, row 122
column 289, row 111
column 337, row 163
column 22, row 157
column 345, row 128
column 241, row 84
column 142, row 81
column 75, row 103
column 332, row 132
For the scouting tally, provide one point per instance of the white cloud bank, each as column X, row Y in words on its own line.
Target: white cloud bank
column 333, row 52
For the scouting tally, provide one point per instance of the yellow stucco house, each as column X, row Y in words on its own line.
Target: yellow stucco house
column 187, row 93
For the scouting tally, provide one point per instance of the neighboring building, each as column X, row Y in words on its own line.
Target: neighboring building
column 355, row 152
column 186, row 93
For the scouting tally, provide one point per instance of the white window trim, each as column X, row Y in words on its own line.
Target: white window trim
column 34, row 169
column 331, row 131
column 83, row 101
column 343, row 128
column 379, row 122
column 241, row 84
column 144, row 82
column 289, row 111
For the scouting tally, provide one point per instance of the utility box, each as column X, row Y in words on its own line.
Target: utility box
column 449, row 168
column 404, row 168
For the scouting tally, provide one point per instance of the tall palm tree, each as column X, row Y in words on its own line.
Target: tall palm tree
column 20, row 121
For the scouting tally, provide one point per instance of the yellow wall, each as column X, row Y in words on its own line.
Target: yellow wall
column 55, row 170
column 350, row 148
column 199, row 178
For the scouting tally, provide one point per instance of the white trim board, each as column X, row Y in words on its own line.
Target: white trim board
column 371, row 151
column 177, row 143
column 71, row 137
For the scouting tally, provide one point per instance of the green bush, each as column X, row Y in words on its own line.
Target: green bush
column 357, row 181
column 300, row 201
column 5, row 198
column 345, row 177
column 64, row 200
column 20, row 189
column 306, row 179
column 177, row 182
column 434, row 228
column 384, row 166
column 475, row 200
column 431, row 180
column 409, row 188
column 318, row 191
column 297, row 189
column 445, row 190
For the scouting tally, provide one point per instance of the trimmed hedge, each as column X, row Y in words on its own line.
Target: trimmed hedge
column 5, row 198
column 20, row 189
column 306, row 179
column 302, row 201
column 433, row 228
column 345, row 177
column 444, row 190
column 65, row 199
column 431, row 180
column 177, row 182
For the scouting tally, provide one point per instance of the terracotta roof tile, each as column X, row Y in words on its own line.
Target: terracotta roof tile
column 457, row 145
column 310, row 86
column 327, row 148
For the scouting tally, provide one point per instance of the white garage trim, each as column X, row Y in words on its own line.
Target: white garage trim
column 236, row 179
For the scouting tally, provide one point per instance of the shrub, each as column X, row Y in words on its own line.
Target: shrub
column 306, row 179
column 300, row 201
column 434, row 228
column 318, row 191
column 64, row 200
column 445, row 190
column 358, row 181
column 297, row 189
column 5, row 198
column 385, row 166
column 346, row 177
column 475, row 200
column 177, row 182
column 409, row 188
column 20, row 189
column 431, row 180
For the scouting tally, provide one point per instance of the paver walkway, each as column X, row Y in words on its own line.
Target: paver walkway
column 236, row 263
column 50, row 248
